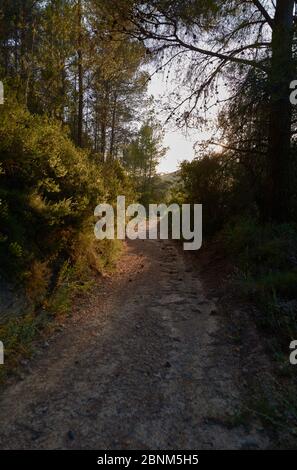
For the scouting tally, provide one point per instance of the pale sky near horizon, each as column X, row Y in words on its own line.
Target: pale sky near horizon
column 180, row 144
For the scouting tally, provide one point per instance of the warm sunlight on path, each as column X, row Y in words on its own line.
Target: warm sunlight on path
column 148, row 370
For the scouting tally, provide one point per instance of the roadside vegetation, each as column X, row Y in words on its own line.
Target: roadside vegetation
column 74, row 102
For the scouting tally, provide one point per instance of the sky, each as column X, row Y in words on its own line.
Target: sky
column 180, row 146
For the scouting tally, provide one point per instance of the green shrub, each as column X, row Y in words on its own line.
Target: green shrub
column 48, row 189
column 266, row 256
column 220, row 184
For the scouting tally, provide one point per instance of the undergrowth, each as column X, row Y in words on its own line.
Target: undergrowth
column 75, row 278
column 266, row 261
column 265, row 257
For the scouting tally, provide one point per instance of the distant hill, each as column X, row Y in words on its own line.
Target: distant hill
column 170, row 178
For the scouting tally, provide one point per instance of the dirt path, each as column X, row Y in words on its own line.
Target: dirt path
column 141, row 365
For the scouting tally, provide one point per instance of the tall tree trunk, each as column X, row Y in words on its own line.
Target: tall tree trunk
column 103, row 139
column 80, row 79
column 113, row 126
column 80, row 101
column 104, row 118
column 281, row 74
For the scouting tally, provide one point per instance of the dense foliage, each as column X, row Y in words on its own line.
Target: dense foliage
column 72, row 105
column 141, row 158
column 48, row 189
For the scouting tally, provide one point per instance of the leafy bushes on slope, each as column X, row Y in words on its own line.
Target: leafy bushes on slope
column 220, row 184
column 266, row 256
column 48, row 192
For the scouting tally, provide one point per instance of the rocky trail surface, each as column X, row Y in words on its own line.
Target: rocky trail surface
column 141, row 364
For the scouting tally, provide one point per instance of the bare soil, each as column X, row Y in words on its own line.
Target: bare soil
column 145, row 362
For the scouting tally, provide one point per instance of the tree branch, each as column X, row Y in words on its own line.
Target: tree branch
column 221, row 56
column 234, row 149
column 264, row 12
